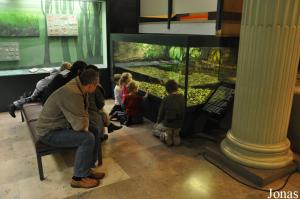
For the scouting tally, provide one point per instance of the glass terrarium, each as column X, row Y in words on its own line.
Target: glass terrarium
column 198, row 63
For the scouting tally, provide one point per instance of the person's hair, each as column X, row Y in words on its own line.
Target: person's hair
column 132, row 86
column 95, row 68
column 65, row 66
column 116, row 78
column 89, row 76
column 78, row 67
column 125, row 77
column 171, row 86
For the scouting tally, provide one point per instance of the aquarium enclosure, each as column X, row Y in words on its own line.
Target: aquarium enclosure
column 198, row 63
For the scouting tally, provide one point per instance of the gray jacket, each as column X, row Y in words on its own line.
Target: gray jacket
column 65, row 108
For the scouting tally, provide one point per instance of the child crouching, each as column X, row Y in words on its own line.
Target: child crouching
column 133, row 104
column 170, row 115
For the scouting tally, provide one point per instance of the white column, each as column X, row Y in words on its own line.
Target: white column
column 267, row 67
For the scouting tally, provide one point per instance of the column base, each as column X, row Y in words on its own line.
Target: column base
column 251, row 176
column 272, row 156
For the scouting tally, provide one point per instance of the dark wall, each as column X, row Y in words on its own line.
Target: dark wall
column 294, row 125
column 106, row 82
column 12, row 87
column 122, row 16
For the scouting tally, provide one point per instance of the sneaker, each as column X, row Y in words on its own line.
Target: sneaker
column 84, row 183
column 97, row 175
column 111, row 127
column 12, row 109
column 163, row 136
column 114, row 116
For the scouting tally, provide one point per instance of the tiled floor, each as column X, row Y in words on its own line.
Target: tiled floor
column 137, row 166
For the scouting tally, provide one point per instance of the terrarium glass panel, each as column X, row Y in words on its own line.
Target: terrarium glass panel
column 228, row 67
column 210, row 66
column 153, row 65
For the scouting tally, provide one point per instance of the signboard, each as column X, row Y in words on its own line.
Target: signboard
column 220, row 100
column 9, row 51
column 62, row 25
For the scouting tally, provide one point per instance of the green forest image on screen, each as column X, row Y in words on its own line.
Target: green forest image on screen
column 13, row 24
column 41, row 51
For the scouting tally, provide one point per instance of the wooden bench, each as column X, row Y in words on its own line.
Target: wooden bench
column 30, row 112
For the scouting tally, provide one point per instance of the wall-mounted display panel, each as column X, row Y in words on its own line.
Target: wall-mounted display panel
column 62, row 25
column 16, row 24
column 9, row 51
column 82, row 34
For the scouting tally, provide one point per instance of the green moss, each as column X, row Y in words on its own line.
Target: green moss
column 195, row 78
column 195, row 96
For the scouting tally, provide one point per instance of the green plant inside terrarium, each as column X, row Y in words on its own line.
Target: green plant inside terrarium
column 207, row 67
column 195, row 79
column 196, row 96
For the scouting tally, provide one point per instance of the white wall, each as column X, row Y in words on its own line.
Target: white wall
column 189, row 6
column 197, row 28
column 160, row 7
column 154, row 7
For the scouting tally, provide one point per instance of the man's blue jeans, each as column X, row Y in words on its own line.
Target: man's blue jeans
column 86, row 153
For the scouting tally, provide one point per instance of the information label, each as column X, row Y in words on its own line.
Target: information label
column 220, row 100
column 9, row 51
column 62, row 25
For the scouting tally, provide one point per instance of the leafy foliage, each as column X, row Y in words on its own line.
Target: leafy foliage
column 19, row 24
column 195, row 53
column 177, row 53
column 195, row 96
column 195, row 78
column 215, row 56
column 153, row 51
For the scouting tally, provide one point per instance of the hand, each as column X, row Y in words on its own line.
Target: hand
column 146, row 95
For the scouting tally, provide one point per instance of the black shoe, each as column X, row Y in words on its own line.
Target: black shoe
column 12, row 109
column 111, row 127
column 113, row 116
column 127, row 123
column 104, row 138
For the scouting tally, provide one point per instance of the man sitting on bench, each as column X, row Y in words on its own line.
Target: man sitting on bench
column 64, row 123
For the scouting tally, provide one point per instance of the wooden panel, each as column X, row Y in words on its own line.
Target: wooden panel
column 232, row 29
column 233, row 6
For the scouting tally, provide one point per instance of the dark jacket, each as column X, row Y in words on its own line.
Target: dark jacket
column 96, row 103
column 59, row 80
column 171, row 111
